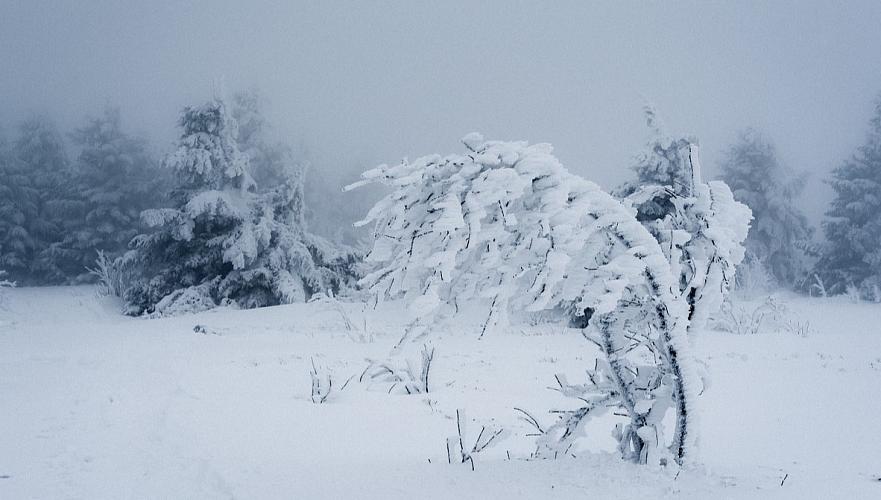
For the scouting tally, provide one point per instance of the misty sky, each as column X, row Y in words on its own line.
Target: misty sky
column 362, row 83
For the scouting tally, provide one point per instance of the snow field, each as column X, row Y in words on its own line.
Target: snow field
column 97, row 405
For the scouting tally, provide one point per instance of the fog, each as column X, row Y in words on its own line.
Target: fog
column 357, row 84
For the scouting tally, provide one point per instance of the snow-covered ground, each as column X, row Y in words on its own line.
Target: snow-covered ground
column 97, row 405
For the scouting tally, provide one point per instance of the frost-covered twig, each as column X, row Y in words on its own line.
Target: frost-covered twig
column 322, row 384
column 457, row 449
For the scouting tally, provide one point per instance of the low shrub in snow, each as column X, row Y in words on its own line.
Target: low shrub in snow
column 114, row 275
column 770, row 315
column 405, row 379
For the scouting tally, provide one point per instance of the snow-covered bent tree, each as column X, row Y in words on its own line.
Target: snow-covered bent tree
column 507, row 223
column 700, row 226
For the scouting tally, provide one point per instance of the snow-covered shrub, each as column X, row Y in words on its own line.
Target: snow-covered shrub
column 870, row 289
column 744, row 320
column 700, row 227
column 189, row 300
column 770, row 315
column 114, row 275
column 754, row 278
column 852, row 253
column 224, row 241
column 505, row 223
column 405, row 379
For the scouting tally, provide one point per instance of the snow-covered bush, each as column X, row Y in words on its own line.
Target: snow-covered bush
column 770, row 315
column 700, row 227
column 114, row 275
column 507, row 224
column 852, row 254
column 743, row 320
column 406, row 379
column 223, row 241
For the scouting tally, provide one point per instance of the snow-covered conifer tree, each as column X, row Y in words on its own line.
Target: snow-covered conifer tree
column 700, row 227
column 222, row 241
column 507, row 224
column 270, row 159
column 852, row 255
column 666, row 161
column 326, row 210
column 118, row 179
column 40, row 208
column 779, row 238
column 17, row 206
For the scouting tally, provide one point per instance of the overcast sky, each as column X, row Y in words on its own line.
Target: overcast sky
column 370, row 82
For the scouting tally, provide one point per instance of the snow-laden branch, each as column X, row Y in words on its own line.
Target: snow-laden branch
column 699, row 226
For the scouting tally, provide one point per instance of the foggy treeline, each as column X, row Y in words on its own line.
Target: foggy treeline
column 68, row 197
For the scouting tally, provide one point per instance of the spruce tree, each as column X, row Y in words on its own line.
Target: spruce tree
column 852, row 255
column 118, row 179
column 17, row 208
column 42, row 208
column 272, row 161
column 282, row 178
column 779, row 238
column 222, row 241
